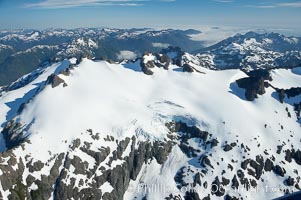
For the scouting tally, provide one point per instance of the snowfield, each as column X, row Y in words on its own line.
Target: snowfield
column 121, row 101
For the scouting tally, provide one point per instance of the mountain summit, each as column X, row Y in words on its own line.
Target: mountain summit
column 99, row 130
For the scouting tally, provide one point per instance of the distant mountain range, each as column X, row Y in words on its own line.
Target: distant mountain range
column 252, row 51
column 25, row 50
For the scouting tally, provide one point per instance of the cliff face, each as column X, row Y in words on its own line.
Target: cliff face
column 70, row 174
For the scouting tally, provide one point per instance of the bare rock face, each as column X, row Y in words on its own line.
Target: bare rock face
column 146, row 69
column 158, row 60
column 254, row 86
column 146, row 65
column 190, row 195
column 163, row 61
column 12, row 133
column 281, row 93
column 289, row 93
column 70, row 176
column 55, row 81
column 187, row 68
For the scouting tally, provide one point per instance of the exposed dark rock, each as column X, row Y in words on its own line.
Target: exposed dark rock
column 228, row 197
column 281, row 94
column 253, row 183
column 146, row 70
column 161, row 150
column 289, row 181
column 279, row 149
column 227, row 147
column 193, row 131
column 225, row 181
column 177, row 61
column 55, row 81
column 197, row 179
column 230, row 167
column 76, row 144
column 245, row 163
column 217, row 188
column 268, row 166
column 188, row 150
column 147, row 65
column 204, row 161
column 253, row 85
column 37, row 166
column 292, row 92
column 179, row 178
column 297, row 156
column 233, row 144
column 164, row 61
column 279, row 170
column 244, row 181
column 13, row 134
column 55, row 182
column 213, row 143
column 187, row 68
column 191, row 195
column 258, row 166
column 288, row 156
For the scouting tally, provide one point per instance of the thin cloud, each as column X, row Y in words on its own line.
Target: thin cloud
column 296, row 4
column 54, row 4
column 126, row 55
column 224, row 1
column 168, row 0
column 291, row 4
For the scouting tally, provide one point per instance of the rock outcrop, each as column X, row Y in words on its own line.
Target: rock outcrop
column 289, row 93
column 13, row 134
column 253, row 86
column 55, row 81
column 150, row 61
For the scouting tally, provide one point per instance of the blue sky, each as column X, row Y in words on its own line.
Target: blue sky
column 40, row 14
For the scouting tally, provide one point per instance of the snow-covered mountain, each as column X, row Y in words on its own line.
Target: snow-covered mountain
column 252, row 51
column 158, row 127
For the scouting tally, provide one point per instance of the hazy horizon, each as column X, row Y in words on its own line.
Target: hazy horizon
column 178, row 14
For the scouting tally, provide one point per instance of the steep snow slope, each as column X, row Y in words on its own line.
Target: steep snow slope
column 120, row 101
column 11, row 101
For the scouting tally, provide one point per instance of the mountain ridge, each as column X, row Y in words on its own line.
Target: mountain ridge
column 169, row 128
column 252, row 51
